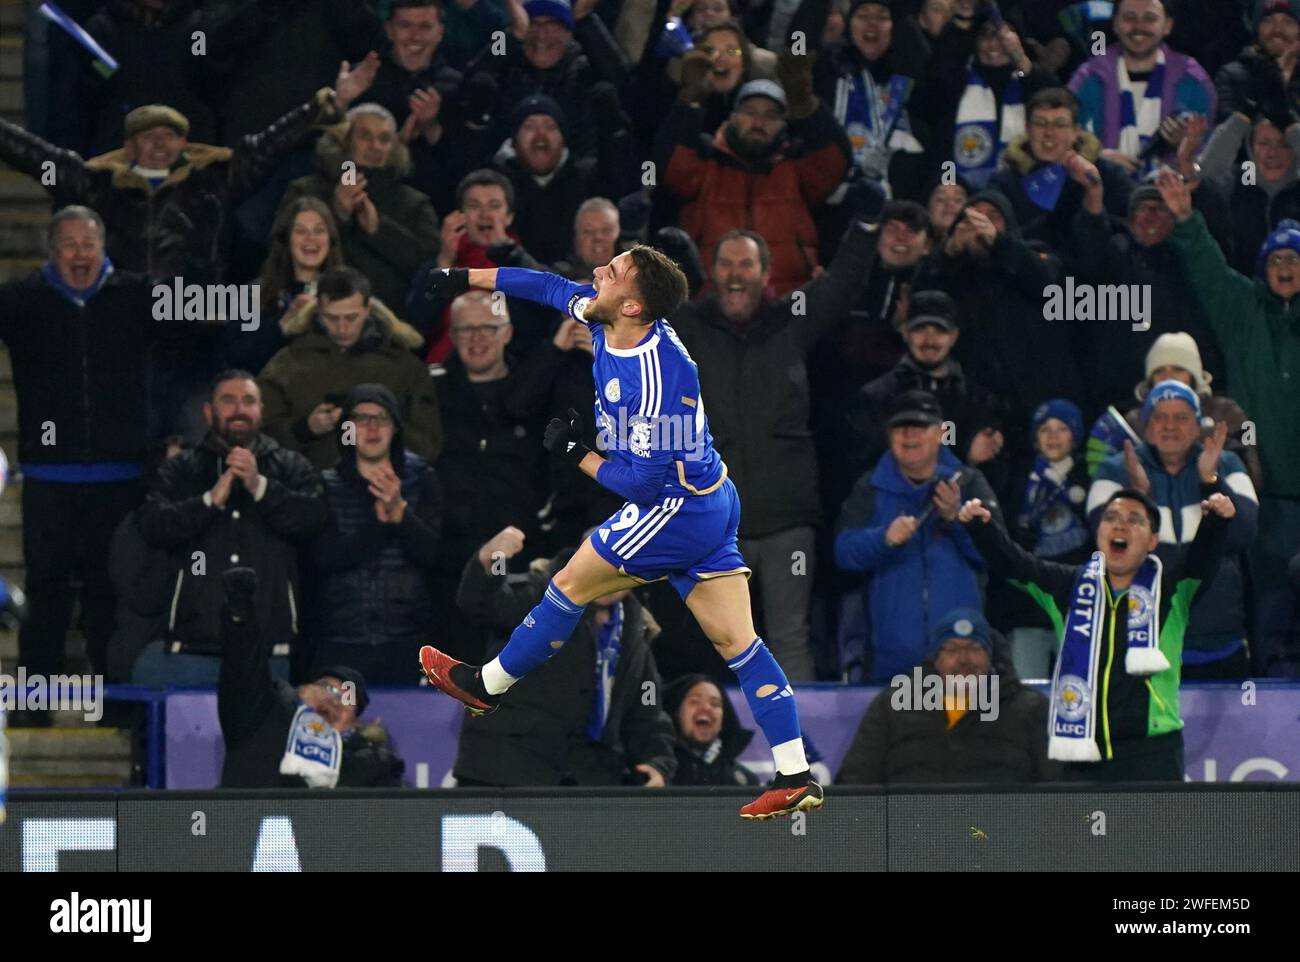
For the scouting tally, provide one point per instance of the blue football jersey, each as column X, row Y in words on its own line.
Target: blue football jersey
column 648, row 407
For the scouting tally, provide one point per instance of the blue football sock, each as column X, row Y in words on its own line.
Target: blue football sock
column 541, row 634
column 772, row 702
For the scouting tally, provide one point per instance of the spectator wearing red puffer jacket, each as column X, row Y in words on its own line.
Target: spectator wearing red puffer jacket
column 776, row 159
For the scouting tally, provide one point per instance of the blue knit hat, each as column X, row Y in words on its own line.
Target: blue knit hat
column 962, row 623
column 1170, row 391
column 1063, row 410
column 1285, row 236
column 559, row 9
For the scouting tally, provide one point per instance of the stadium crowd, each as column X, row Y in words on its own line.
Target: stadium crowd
column 1083, row 281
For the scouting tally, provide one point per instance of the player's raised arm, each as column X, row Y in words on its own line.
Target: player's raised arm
column 550, row 289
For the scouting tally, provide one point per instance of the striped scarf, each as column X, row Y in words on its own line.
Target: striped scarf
column 1139, row 120
column 979, row 138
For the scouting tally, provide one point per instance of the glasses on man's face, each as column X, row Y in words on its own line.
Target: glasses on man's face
column 1039, row 124
column 959, row 646
column 364, row 420
column 1134, row 520
column 477, row 330
column 1287, row 259
column 729, row 51
column 334, row 691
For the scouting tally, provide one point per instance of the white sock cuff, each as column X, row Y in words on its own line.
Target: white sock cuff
column 495, row 678
column 789, row 757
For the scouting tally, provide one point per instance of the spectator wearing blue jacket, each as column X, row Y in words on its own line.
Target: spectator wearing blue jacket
column 899, row 526
column 1178, row 471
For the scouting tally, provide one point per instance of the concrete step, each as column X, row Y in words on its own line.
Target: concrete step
column 13, row 268
column 11, row 57
column 22, row 232
column 11, row 18
column 66, row 757
column 8, row 411
column 17, row 187
column 11, row 95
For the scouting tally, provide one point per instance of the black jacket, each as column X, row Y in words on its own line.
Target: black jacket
column 372, row 586
column 256, row 709
column 715, row 764
column 82, row 369
column 916, row 747
column 538, row 735
column 1116, row 358
column 263, row 535
column 755, row 382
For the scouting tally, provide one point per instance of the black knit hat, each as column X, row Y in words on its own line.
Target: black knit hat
column 374, row 394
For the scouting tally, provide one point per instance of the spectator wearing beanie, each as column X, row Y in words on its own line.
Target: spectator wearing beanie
column 1239, row 82
column 1254, row 321
column 1048, row 519
column 370, row 606
column 903, row 743
column 1142, row 257
column 551, row 182
column 1175, row 356
column 1178, row 472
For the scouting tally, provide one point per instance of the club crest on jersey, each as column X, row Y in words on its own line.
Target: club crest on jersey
column 639, row 440
column 578, row 305
column 612, row 390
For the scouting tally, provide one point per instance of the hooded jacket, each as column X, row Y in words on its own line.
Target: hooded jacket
column 912, row 586
column 774, row 195
column 181, row 227
column 756, row 381
column 538, row 735
column 371, row 584
column 1260, row 336
column 917, row 747
column 408, row 231
column 1056, row 227
column 260, row 534
column 1219, row 615
column 311, row 369
column 714, row 764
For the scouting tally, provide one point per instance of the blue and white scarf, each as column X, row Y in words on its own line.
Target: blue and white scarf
column 1072, row 725
column 77, row 295
column 1050, row 510
column 314, row 750
column 1139, row 121
column 609, row 645
column 980, row 138
column 875, row 120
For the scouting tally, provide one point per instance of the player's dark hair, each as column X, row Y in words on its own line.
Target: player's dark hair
column 740, row 233
column 659, row 280
column 483, row 177
column 339, row 282
column 1051, row 98
column 411, row 4
column 229, row 374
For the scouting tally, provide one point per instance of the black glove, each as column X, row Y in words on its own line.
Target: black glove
column 446, row 283
column 564, row 438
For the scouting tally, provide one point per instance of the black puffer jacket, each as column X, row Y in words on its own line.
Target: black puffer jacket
column 538, row 735
column 715, row 764
column 263, row 535
column 373, row 578
column 181, row 228
column 896, row 747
